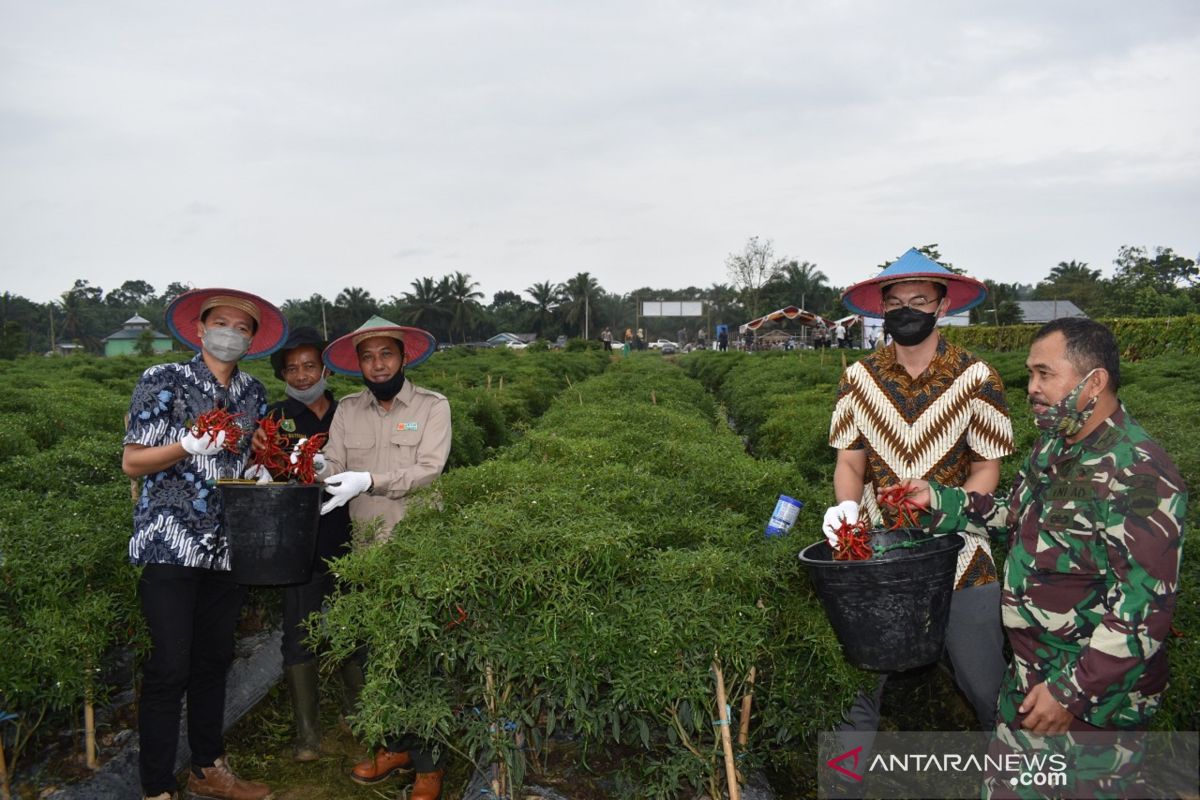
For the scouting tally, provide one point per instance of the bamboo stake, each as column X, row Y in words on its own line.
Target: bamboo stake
column 843, row 361
column 89, row 733
column 653, row 398
column 501, row 389
column 5, row 794
column 499, row 789
column 489, row 381
column 744, row 716
column 726, row 739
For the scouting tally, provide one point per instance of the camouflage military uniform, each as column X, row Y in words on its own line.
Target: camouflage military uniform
column 1094, row 534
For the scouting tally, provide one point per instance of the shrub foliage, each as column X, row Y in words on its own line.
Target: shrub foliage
column 600, row 563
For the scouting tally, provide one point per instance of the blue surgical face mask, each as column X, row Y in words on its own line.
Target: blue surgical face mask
column 225, row 344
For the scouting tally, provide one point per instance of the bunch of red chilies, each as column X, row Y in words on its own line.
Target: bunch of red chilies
column 277, row 457
column 211, row 423
column 898, row 499
column 854, row 541
column 302, row 468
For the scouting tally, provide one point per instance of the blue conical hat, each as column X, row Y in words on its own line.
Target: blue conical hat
column 866, row 298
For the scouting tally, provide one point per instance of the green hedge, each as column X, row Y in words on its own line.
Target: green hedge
column 600, row 562
column 1138, row 337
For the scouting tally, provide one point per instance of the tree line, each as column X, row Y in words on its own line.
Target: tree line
column 1143, row 284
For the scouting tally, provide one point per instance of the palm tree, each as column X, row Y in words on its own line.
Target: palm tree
column 307, row 312
column 800, row 282
column 352, row 307
column 545, row 297
column 1069, row 271
column 1074, row 281
column 461, row 296
column 424, row 306
column 80, row 306
column 579, row 293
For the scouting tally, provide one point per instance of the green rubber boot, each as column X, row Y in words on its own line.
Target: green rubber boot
column 302, row 685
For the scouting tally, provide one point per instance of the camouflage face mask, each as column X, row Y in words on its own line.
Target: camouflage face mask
column 1064, row 419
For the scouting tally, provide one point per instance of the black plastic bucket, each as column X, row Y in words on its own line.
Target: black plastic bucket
column 889, row 611
column 272, row 531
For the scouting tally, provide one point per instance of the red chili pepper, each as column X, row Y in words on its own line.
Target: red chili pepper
column 211, row 423
column 303, row 469
column 462, row 617
column 898, row 499
column 273, row 455
column 854, row 541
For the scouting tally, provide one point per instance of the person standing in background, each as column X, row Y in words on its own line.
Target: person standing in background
column 308, row 411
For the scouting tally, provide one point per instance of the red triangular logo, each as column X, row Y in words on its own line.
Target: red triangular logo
column 834, row 762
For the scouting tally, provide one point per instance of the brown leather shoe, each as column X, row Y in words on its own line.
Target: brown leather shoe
column 427, row 786
column 219, row 783
column 381, row 766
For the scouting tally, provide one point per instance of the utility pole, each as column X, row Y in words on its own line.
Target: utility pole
column 50, row 309
column 587, row 312
column 324, row 329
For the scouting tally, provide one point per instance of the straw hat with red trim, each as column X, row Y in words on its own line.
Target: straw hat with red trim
column 184, row 313
column 342, row 357
column 866, row 298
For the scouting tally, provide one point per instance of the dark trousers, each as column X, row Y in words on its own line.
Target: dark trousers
column 419, row 750
column 192, row 614
column 299, row 602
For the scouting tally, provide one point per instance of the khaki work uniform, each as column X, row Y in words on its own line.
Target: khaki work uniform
column 404, row 448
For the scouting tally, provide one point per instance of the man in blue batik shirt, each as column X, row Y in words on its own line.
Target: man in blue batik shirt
column 188, row 598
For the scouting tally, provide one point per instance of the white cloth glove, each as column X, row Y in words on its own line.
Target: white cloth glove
column 257, row 473
column 846, row 510
column 202, row 444
column 344, row 487
column 318, row 459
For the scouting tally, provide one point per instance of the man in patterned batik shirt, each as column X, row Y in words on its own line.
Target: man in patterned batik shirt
column 190, row 603
column 1094, row 525
column 924, row 408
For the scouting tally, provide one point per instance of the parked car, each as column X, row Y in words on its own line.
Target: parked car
column 518, row 345
column 668, row 348
column 658, row 344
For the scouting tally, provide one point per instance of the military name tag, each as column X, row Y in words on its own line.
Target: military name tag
column 406, row 426
column 1070, row 491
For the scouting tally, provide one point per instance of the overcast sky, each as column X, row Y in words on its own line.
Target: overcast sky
column 293, row 147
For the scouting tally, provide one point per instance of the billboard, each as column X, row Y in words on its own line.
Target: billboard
column 672, row 308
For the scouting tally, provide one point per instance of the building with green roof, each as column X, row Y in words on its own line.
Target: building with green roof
column 134, row 330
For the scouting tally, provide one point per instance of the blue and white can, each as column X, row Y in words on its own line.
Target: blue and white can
column 784, row 515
